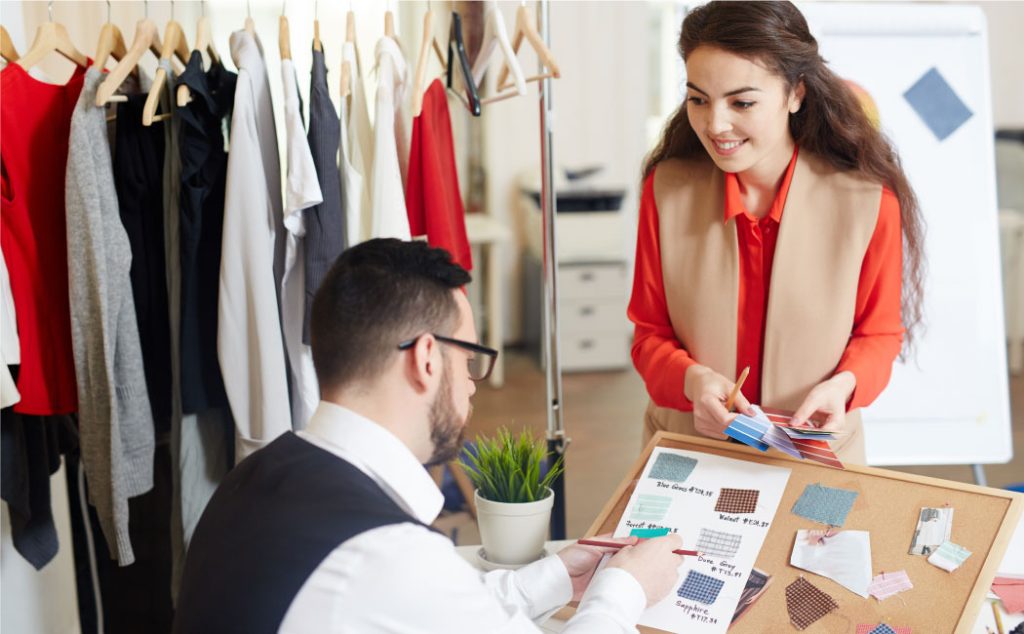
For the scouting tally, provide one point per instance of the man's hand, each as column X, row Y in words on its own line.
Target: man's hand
column 709, row 390
column 828, row 397
column 581, row 561
column 653, row 564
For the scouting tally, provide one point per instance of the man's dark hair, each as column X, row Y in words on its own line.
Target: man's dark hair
column 376, row 295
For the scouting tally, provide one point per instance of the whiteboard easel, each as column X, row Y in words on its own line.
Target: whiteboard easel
column 949, row 404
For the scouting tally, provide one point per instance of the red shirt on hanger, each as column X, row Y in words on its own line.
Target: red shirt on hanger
column 877, row 326
column 35, row 122
column 432, row 197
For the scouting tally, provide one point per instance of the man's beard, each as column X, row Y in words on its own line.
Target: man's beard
column 447, row 432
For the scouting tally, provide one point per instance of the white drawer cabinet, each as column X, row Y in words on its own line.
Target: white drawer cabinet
column 592, row 316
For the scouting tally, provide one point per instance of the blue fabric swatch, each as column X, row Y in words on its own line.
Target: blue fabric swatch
column 825, row 504
column 672, row 467
column 700, row 587
column 883, row 629
column 937, row 104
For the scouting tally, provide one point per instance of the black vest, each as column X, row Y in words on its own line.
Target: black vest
column 273, row 520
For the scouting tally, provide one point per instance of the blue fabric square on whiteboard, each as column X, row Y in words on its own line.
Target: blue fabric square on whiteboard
column 700, row 587
column 825, row 504
column 670, row 466
column 934, row 100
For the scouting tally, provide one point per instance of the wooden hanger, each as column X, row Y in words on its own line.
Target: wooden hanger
column 147, row 38
column 347, row 72
column 250, row 26
column 389, row 23
column 457, row 53
column 51, row 37
column 317, row 44
column 495, row 39
column 111, row 43
column 204, row 42
column 428, row 43
column 7, row 50
column 526, row 27
column 284, row 37
column 174, row 46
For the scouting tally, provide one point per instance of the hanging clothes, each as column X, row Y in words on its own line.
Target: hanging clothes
column 433, row 196
column 10, row 347
column 201, row 207
column 302, row 192
column 34, row 122
column 325, row 223
column 390, row 219
column 249, row 342
column 115, row 421
column 138, row 178
column 356, row 152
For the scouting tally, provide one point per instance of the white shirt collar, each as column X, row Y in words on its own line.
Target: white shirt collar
column 379, row 454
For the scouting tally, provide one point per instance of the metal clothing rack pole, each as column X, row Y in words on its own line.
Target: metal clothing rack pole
column 557, row 442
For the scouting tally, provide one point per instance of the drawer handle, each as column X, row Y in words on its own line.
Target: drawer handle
column 587, row 277
column 587, row 311
column 587, row 344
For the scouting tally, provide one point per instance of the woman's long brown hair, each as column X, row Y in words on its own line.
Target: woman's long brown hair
column 830, row 123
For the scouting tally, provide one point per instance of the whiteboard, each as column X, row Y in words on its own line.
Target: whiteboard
column 949, row 404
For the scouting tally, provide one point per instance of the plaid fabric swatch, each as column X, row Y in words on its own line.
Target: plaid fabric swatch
column 806, row 603
column 887, row 584
column 700, row 587
column 882, row 628
column 824, row 504
column 718, row 543
column 737, row 500
column 650, row 508
column 669, row 466
column 949, row 556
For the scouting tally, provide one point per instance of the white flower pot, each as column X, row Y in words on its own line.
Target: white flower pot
column 513, row 533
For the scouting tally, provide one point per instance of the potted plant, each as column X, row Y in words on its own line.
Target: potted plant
column 513, row 496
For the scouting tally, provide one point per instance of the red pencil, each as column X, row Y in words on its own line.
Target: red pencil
column 598, row 542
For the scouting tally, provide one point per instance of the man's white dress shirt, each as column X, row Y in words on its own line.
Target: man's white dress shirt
column 356, row 151
column 390, row 219
column 249, row 342
column 405, row 578
column 302, row 191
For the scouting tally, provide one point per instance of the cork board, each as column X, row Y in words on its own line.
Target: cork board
column 887, row 505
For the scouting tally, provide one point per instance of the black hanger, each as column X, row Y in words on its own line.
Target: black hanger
column 455, row 40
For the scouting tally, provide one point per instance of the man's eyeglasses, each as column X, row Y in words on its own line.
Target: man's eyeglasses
column 481, row 359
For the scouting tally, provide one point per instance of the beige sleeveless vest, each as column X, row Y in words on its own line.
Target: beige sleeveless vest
column 827, row 222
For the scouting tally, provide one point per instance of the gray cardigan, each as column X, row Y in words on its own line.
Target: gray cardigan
column 114, row 418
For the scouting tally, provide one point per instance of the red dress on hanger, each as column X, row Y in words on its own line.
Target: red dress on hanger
column 432, row 197
column 35, row 122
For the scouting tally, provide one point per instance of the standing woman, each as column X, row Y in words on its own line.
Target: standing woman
column 777, row 231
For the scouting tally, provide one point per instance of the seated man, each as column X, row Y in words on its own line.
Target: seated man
column 327, row 530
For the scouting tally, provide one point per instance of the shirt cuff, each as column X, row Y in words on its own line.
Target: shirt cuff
column 613, row 593
column 546, row 585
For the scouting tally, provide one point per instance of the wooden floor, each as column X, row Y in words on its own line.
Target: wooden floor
column 603, row 413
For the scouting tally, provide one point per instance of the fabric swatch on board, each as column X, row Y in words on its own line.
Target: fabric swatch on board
column 700, row 587
column 806, row 603
column 650, row 508
column 649, row 533
column 949, row 556
column 888, row 584
column 737, row 500
column 882, row 628
column 824, row 504
column 1010, row 591
column 844, row 557
column 718, row 543
column 938, row 105
column 672, row 467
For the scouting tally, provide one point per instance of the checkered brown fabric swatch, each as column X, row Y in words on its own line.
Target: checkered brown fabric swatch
column 806, row 603
column 737, row 500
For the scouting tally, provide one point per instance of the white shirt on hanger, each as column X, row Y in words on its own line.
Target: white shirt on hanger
column 249, row 342
column 357, row 151
column 302, row 190
column 405, row 578
column 10, row 345
column 390, row 219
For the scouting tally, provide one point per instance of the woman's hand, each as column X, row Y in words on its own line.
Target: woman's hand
column 709, row 390
column 830, row 398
